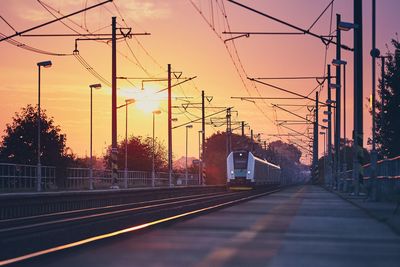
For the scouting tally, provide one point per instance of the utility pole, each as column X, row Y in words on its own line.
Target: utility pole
column 114, row 149
column 203, row 136
column 374, row 54
column 315, row 141
column 242, row 125
column 338, row 100
column 169, row 128
column 358, row 97
column 329, row 102
column 252, row 140
column 228, row 131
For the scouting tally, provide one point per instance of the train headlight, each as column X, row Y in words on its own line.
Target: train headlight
column 248, row 172
column 231, row 172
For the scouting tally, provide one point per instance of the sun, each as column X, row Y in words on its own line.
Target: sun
column 147, row 100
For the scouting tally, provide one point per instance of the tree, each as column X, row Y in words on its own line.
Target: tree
column 140, row 154
column 19, row 144
column 388, row 115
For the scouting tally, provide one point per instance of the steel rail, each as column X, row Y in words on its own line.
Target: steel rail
column 153, row 223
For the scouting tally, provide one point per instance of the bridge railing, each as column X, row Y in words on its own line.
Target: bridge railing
column 19, row 177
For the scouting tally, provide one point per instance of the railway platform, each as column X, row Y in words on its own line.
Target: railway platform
column 298, row 226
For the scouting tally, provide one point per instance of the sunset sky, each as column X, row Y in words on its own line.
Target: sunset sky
column 182, row 37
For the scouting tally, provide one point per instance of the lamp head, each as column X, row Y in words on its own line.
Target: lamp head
column 95, row 86
column 346, row 26
column 334, row 86
column 157, row 111
column 44, row 64
column 130, row 101
column 338, row 62
column 189, row 126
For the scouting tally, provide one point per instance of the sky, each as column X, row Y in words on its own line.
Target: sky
column 188, row 35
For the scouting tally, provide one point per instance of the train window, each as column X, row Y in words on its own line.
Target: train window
column 240, row 160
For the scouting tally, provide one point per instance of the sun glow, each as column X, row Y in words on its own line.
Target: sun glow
column 148, row 100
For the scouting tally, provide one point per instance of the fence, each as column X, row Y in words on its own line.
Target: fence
column 24, row 177
column 387, row 182
column 17, row 177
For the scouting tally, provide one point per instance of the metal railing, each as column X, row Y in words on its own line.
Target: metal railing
column 24, row 177
column 387, row 182
column 18, row 177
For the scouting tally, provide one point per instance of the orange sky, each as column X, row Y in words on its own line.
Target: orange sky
column 179, row 36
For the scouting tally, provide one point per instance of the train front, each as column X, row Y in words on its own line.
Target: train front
column 237, row 171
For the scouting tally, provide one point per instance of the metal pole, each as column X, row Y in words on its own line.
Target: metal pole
column 39, row 166
column 344, row 131
column 329, row 169
column 242, row 128
column 203, row 138
column 315, row 141
column 186, row 163
column 114, row 149
column 228, row 131
column 152, row 165
column 252, row 140
column 358, row 98
column 169, row 128
column 91, row 140
column 374, row 53
column 338, row 104
column 126, row 147
column 200, row 158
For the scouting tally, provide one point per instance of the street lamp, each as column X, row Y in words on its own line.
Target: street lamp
column 323, row 133
column 186, row 163
column 44, row 64
column 92, row 86
column 200, row 159
column 127, row 103
column 153, row 173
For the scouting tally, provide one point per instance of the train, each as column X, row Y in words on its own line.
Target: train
column 246, row 171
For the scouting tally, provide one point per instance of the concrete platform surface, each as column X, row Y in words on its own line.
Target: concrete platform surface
column 299, row 226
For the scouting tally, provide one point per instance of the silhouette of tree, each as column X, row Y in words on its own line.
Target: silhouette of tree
column 388, row 115
column 19, row 144
column 140, row 154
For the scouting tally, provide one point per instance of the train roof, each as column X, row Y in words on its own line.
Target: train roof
column 257, row 158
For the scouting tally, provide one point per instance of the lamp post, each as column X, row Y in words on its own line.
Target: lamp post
column 127, row 103
column 323, row 133
column 338, row 63
column 92, row 86
column 44, row 64
column 200, row 159
column 186, row 158
column 153, row 173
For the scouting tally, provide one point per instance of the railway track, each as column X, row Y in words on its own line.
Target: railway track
column 32, row 236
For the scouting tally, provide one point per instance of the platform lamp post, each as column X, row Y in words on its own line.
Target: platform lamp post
column 153, row 172
column 186, row 158
column 127, row 103
column 200, row 159
column 338, row 63
column 92, row 86
column 44, row 64
column 323, row 133
column 357, row 132
column 329, row 148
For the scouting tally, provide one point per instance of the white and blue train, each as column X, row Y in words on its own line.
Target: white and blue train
column 246, row 171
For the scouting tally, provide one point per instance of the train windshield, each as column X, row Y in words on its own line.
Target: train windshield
column 240, row 160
